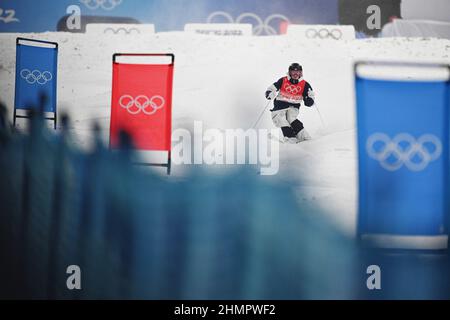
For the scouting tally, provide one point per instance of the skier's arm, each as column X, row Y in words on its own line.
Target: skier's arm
column 308, row 95
column 272, row 90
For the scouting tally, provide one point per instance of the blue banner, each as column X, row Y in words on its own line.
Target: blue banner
column 36, row 75
column 46, row 15
column 403, row 142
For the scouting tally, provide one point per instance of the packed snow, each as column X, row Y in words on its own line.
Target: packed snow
column 221, row 81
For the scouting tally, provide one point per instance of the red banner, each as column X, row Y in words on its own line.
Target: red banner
column 141, row 104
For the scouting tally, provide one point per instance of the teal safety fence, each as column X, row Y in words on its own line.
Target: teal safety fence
column 135, row 234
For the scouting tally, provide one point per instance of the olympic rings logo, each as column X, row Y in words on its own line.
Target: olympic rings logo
column 121, row 30
column 36, row 76
column 259, row 26
column 403, row 149
column 323, row 33
column 104, row 4
column 292, row 89
column 141, row 103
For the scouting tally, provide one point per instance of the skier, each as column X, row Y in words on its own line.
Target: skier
column 292, row 90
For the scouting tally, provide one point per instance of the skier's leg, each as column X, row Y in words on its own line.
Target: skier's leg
column 296, row 125
column 279, row 119
column 288, row 132
column 292, row 114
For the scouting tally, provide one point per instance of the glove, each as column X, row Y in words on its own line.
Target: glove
column 270, row 95
column 311, row 94
column 309, row 102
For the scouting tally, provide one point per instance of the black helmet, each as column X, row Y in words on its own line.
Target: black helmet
column 295, row 66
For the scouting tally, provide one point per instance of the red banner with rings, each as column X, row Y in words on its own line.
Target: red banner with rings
column 141, row 103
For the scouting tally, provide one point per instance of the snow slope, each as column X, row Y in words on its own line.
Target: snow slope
column 221, row 81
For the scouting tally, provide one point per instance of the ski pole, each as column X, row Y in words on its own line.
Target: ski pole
column 261, row 114
column 320, row 116
column 264, row 111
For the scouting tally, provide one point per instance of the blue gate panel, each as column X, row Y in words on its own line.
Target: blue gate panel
column 36, row 75
column 403, row 147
